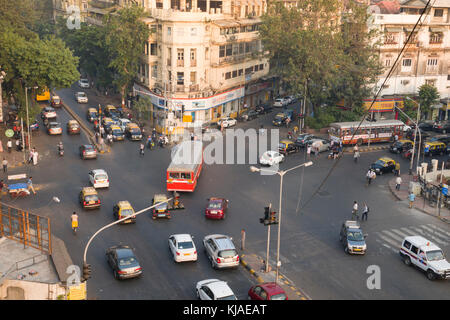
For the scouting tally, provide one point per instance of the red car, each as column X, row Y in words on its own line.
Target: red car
column 267, row 291
column 216, row 208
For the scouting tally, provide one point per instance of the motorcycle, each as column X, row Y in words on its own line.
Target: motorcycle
column 60, row 150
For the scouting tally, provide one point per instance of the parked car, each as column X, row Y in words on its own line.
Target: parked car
column 124, row 262
column 81, row 97
column 383, row 165
column 89, row 198
column 214, row 289
column 83, row 83
column 182, row 247
column 216, row 208
column 425, row 255
column 221, row 251
column 73, row 127
column 267, row 291
column 270, row 158
column 280, row 102
column 352, row 238
column 99, row 178
column 56, row 102
column 54, row 128
column 227, row 122
column 88, row 151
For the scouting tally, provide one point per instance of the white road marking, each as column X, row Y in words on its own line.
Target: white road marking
column 439, row 229
column 392, row 235
column 388, row 240
column 432, row 233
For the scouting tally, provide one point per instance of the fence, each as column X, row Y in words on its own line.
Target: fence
column 27, row 228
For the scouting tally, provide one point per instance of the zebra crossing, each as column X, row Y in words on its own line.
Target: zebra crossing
column 391, row 239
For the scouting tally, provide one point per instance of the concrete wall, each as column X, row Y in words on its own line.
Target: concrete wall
column 16, row 289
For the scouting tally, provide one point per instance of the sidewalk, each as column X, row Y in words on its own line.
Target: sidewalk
column 255, row 265
column 420, row 203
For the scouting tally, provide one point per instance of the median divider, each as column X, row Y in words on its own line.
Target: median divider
column 86, row 129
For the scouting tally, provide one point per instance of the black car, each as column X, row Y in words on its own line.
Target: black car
column 426, row 126
column 264, row 108
column 441, row 126
column 303, row 138
column 88, row 151
column 401, row 146
column 383, row 165
column 279, row 120
column 123, row 261
column 442, row 138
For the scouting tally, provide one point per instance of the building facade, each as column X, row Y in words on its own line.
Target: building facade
column 203, row 57
column 63, row 8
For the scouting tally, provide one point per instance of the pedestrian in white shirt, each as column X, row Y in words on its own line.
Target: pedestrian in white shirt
column 398, row 182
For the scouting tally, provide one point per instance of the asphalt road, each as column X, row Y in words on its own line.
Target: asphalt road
column 311, row 255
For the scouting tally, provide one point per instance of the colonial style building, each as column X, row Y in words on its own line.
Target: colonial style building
column 426, row 59
column 203, row 57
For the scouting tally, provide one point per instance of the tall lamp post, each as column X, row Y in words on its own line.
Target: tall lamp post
column 2, row 78
column 28, row 124
column 281, row 173
column 415, row 135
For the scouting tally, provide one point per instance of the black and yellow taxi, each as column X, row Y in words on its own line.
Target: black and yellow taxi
column 107, row 121
column 161, row 210
column 116, row 132
column 434, row 147
column 89, row 198
column 92, row 114
column 287, row 146
column 133, row 132
column 122, row 210
column 401, row 146
column 383, row 165
column 111, row 111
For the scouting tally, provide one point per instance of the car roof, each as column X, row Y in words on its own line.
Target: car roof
column 73, row 122
column 115, row 126
column 286, row 141
column 216, row 199
column 124, row 204
column 220, row 288
column 97, row 171
column 432, row 143
column 272, row 288
column 422, row 243
column 223, row 242
column 92, row 109
column 386, row 159
column 182, row 237
column 124, row 251
column 89, row 190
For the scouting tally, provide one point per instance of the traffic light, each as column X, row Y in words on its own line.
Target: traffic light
column 273, row 218
column 86, row 271
column 266, row 218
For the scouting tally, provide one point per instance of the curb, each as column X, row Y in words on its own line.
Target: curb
column 253, row 272
column 369, row 149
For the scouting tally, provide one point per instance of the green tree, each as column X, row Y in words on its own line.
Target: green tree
column 142, row 107
column 428, row 96
column 125, row 36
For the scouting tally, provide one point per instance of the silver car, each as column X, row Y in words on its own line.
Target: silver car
column 221, row 251
column 322, row 144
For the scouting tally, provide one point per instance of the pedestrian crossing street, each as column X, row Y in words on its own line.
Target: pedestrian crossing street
column 391, row 239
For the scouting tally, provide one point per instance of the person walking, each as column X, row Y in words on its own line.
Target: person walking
column 141, row 149
column 397, row 169
column 355, row 211
column 9, row 145
column 5, row 165
column 411, row 198
column 30, row 185
column 356, row 156
column 308, row 151
column 398, row 182
column 35, row 157
column 365, row 212
column 74, row 221
column 369, row 176
column 295, row 130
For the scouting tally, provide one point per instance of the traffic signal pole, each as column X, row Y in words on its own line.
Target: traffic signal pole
column 268, row 243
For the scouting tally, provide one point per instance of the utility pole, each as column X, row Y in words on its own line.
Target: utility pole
column 268, row 243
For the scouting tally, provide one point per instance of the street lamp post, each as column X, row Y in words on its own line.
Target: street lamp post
column 28, row 124
column 415, row 135
column 2, row 78
column 114, row 223
column 281, row 173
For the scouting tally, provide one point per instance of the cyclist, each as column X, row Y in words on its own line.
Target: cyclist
column 74, row 219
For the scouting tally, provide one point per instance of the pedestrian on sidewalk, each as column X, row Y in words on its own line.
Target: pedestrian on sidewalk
column 397, row 169
column 398, row 182
column 355, row 211
column 243, row 239
column 308, row 151
column 30, row 185
column 9, row 145
column 5, row 165
column 295, row 130
column 411, row 199
column 141, row 149
column 30, row 156
column 97, row 135
column 35, row 157
column 365, row 212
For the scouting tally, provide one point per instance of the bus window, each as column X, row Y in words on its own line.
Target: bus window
column 186, row 175
column 174, row 175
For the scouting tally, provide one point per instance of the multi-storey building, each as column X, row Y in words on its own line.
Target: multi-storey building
column 203, row 57
column 426, row 59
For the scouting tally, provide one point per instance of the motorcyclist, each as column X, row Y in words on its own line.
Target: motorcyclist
column 109, row 138
column 149, row 142
column 60, row 146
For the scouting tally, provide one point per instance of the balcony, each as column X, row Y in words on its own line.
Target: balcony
column 193, row 88
column 179, row 88
column 180, row 63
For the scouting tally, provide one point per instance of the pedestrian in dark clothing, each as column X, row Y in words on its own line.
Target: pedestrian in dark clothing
column 365, row 212
column 5, row 165
column 141, row 149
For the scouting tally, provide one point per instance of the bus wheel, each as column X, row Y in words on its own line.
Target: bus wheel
column 359, row 142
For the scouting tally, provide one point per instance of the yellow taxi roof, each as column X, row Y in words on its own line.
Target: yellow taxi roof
column 110, row 106
column 89, row 190
column 106, row 119
column 73, row 122
column 434, row 143
column 280, row 115
column 115, row 126
column 405, row 140
column 286, row 141
column 159, row 197
column 132, row 124
column 92, row 110
column 124, row 205
column 386, row 159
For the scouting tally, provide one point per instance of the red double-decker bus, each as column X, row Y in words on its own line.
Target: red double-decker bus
column 186, row 165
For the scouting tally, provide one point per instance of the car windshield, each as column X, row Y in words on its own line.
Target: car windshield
column 91, row 197
column 89, row 148
column 185, row 245
column 82, row 95
column 127, row 262
column 281, row 145
column 435, row 255
column 267, row 155
column 215, row 205
column 227, row 253
column 126, row 212
column 232, row 297
column 101, row 176
column 162, row 206
column 54, row 125
column 355, row 236
column 379, row 163
column 56, row 100
column 398, row 144
column 117, row 132
column 280, row 296
column 135, row 130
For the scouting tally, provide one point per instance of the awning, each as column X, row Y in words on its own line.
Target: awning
column 226, row 23
column 437, row 29
column 393, row 29
column 410, row 29
column 248, row 22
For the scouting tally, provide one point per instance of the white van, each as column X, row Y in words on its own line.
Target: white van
column 424, row 254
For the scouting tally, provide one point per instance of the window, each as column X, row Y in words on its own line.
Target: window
column 155, row 71
column 169, row 31
column 448, row 77
column 430, row 82
column 169, row 57
column 229, row 50
column 193, row 57
column 153, row 28
column 241, row 48
column 432, row 64
column 227, row 75
column 186, row 175
column 180, row 78
column 261, row 66
column 221, row 51
column 193, row 77
column 436, row 37
column 414, row 249
column 153, row 47
column 406, row 65
column 174, row 175
column 193, row 32
column 438, row 12
column 180, row 57
column 241, row 72
column 387, row 62
column 390, row 38
column 256, row 68
column 234, row 74
column 235, row 49
column 248, row 70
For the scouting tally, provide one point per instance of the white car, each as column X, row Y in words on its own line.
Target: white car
column 122, row 123
column 83, row 83
column 182, row 247
column 280, row 102
column 321, row 144
column 269, row 158
column 81, row 97
column 214, row 289
column 227, row 122
column 99, row 178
